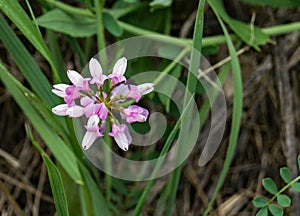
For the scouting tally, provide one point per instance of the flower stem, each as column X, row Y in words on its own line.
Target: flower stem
column 107, row 161
column 99, row 5
column 207, row 41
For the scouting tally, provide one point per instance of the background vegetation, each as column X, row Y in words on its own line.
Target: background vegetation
column 252, row 45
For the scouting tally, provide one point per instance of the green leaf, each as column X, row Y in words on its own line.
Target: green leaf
column 283, row 200
column 155, row 4
column 119, row 186
column 59, row 149
column 262, row 212
column 99, row 204
column 111, row 24
column 27, row 65
column 275, row 210
column 253, row 37
column 299, row 162
column 296, row 186
column 259, row 202
column 273, row 3
column 55, row 179
column 237, row 110
column 57, row 188
column 13, row 10
column 71, row 190
column 166, row 100
column 285, row 174
column 73, row 25
column 269, row 185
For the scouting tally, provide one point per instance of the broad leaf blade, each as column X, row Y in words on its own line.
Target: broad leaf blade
column 253, row 37
column 262, row 212
column 73, row 25
column 259, row 202
column 273, row 3
column 285, row 174
column 111, row 24
column 296, row 186
column 270, row 185
column 155, row 4
column 284, row 200
column 275, row 210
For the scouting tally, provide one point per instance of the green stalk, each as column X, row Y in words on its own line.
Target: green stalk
column 283, row 189
column 171, row 65
column 207, row 41
column 143, row 198
column 32, row 16
column 107, row 162
column 236, row 115
column 70, row 9
column 99, row 5
column 191, row 86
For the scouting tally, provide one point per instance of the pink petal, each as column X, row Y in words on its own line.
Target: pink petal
column 121, row 135
column 86, row 101
column 102, row 111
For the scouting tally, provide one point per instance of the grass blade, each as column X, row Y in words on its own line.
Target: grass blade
column 55, row 179
column 237, row 112
column 13, row 10
column 27, row 65
column 191, row 85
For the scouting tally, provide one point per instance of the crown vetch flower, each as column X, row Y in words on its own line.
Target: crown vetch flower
column 118, row 71
column 81, row 100
column 92, row 132
column 121, row 135
column 96, row 72
column 134, row 113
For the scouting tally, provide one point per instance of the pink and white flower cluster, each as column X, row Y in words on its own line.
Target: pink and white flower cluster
column 81, row 100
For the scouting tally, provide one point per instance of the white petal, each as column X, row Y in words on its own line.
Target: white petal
column 122, row 141
column 88, row 139
column 93, row 121
column 75, row 111
column 75, row 77
column 120, row 67
column 145, row 88
column 60, row 109
column 59, row 93
column 95, row 68
column 61, row 87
